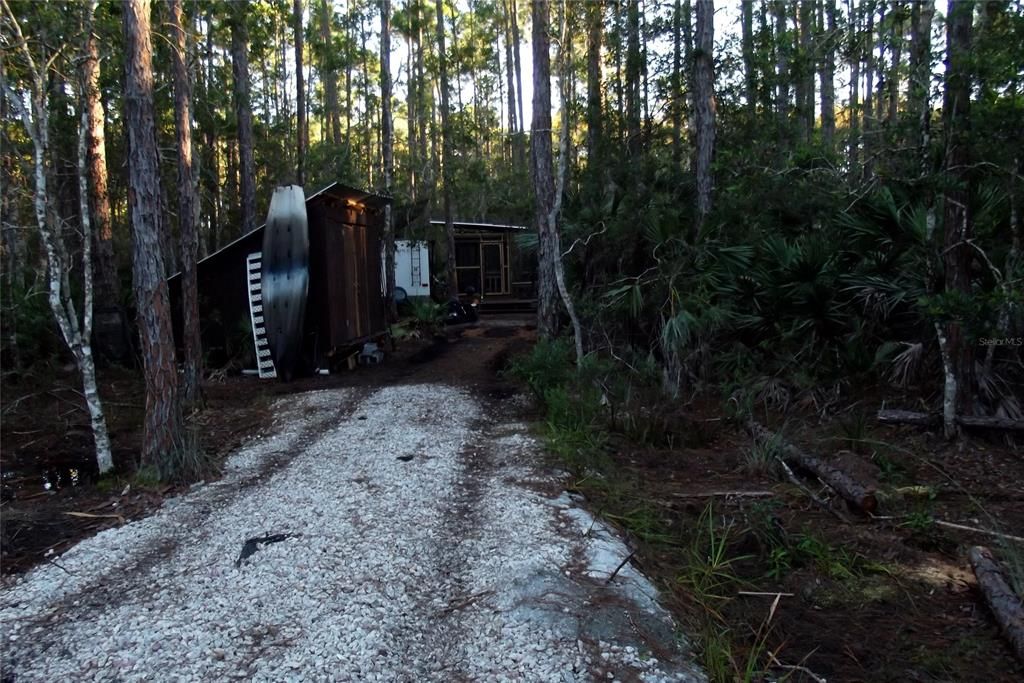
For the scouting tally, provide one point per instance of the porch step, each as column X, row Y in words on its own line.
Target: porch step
column 501, row 305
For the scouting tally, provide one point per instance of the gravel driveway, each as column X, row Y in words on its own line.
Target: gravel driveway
column 423, row 541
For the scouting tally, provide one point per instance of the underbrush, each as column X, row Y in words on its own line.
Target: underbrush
column 750, row 577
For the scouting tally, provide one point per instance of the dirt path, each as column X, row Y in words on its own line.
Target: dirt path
column 424, row 540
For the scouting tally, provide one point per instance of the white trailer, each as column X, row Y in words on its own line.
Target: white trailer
column 412, row 267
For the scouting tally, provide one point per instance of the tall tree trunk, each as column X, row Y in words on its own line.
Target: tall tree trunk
column 896, row 37
column 162, row 426
column 805, row 82
column 704, row 85
column 240, row 66
column 919, row 96
column 192, row 378
column 565, row 84
column 747, row 49
column 412, row 107
column 595, row 115
column 110, row 316
column 675, row 98
column 107, row 286
column 826, row 71
column 514, row 124
column 958, row 253
column 782, row 66
column 388, row 152
column 367, row 108
column 300, row 96
column 514, row 12
column 634, row 66
column 869, row 89
column 329, row 75
column 543, row 175
column 446, row 152
column 854, row 108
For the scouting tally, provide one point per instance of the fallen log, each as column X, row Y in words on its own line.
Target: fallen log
column 911, row 417
column 1005, row 605
column 852, row 490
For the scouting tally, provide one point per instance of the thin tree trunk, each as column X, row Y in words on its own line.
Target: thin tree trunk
column 854, row 108
column 514, row 123
column 705, row 104
column 240, row 65
column 747, row 49
column 633, row 72
column 896, row 37
column 300, row 95
column 806, row 75
column 329, row 76
column 782, row 75
column 446, row 152
column 412, row 106
column 564, row 79
column 676, row 82
column 518, row 62
column 162, row 426
column 869, row 90
column 595, row 115
column 388, row 151
column 826, row 72
column 107, row 286
column 957, row 255
column 543, row 175
column 367, row 108
column 192, row 378
column 919, row 100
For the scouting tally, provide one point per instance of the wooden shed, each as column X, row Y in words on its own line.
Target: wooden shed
column 488, row 261
column 345, row 303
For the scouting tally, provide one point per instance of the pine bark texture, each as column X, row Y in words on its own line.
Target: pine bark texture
column 958, row 253
column 595, row 132
column 387, row 135
column 330, row 75
column 826, row 72
column 162, row 426
column 300, row 96
column 243, row 110
column 704, row 100
column 193, row 371
column 1004, row 603
column 543, row 175
column 446, row 153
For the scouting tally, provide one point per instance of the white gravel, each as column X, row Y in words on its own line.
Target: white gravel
column 449, row 565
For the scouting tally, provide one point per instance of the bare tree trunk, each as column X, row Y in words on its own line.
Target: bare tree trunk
column 826, row 72
column 705, row 104
column 36, row 119
column 919, row 102
column 192, row 378
column 782, row 75
column 675, row 98
column 543, row 176
column 869, row 89
column 107, row 286
column 854, row 108
column 514, row 123
column 595, row 115
column 518, row 63
column 634, row 65
column 412, row 107
column 330, row 75
column 162, row 427
column 388, row 152
column 564, row 79
column 367, row 108
column 805, row 70
column 301, row 140
column 446, row 153
column 957, row 255
column 240, row 64
column 747, row 49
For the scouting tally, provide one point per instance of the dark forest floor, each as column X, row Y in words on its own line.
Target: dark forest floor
column 887, row 598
